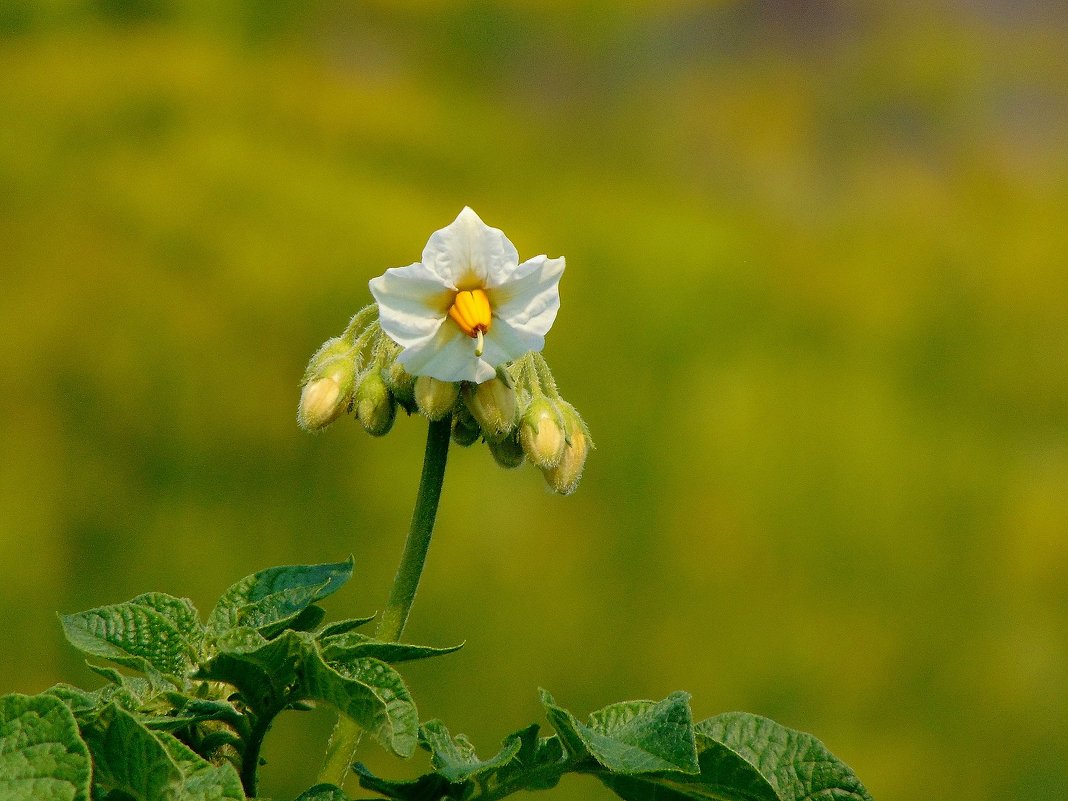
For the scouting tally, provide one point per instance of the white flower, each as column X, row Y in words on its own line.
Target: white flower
column 469, row 305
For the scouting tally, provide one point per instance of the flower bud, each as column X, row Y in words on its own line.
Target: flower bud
column 435, row 398
column 402, row 384
column 465, row 430
column 328, row 383
column 507, row 452
column 375, row 408
column 565, row 476
column 540, row 434
column 492, row 403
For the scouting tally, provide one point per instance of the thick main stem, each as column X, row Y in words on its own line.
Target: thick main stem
column 347, row 733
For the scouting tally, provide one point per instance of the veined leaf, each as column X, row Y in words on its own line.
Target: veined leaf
column 371, row 693
column 144, row 765
column 265, row 672
column 724, row 776
column 133, row 635
column 634, row 737
column 200, row 779
column 42, row 756
column 180, row 612
column 128, row 758
column 797, row 765
column 272, row 598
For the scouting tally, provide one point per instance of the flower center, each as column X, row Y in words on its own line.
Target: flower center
column 471, row 311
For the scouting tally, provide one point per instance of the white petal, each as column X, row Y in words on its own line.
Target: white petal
column 530, row 300
column 412, row 303
column 449, row 355
column 505, row 342
column 468, row 254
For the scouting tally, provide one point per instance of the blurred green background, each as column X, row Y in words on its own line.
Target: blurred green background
column 815, row 313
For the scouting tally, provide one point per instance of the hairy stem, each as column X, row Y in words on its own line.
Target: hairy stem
column 346, row 736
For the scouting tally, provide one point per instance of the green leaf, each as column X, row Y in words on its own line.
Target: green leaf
column 455, row 758
column 343, row 627
column 428, row 787
column 273, row 674
column 634, row 737
column 128, row 758
column 187, row 711
column 265, row 672
column 273, row 598
column 797, row 765
column 180, row 612
column 371, row 693
column 352, row 645
column 76, row 699
column 42, row 757
column 200, row 779
column 724, row 775
column 308, row 619
column 132, row 635
column 323, row 792
column 135, row 762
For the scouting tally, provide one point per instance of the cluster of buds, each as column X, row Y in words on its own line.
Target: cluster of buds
column 518, row 413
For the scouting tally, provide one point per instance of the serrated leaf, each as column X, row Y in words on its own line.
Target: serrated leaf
column 455, row 758
column 371, row 693
column 42, row 756
column 272, row 598
column 636, row 736
column 132, row 635
column 323, row 792
column 429, row 787
column 797, row 765
column 353, row 645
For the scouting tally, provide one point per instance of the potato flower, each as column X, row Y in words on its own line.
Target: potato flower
column 469, row 305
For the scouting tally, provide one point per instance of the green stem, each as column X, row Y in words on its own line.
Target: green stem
column 346, row 736
column 250, row 759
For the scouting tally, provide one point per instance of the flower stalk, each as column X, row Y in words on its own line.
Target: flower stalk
column 346, row 736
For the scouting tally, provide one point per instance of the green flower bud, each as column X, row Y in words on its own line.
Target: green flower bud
column 375, row 408
column 434, row 398
column 507, row 452
column 402, row 384
column 465, row 430
column 540, row 434
column 326, row 393
column 565, row 476
column 493, row 405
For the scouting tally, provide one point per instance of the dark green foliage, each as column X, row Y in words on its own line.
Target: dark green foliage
column 191, row 726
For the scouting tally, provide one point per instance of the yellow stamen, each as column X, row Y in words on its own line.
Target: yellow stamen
column 471, row 311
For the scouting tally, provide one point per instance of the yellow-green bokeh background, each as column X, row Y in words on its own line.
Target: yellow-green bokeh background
column 815, row 313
